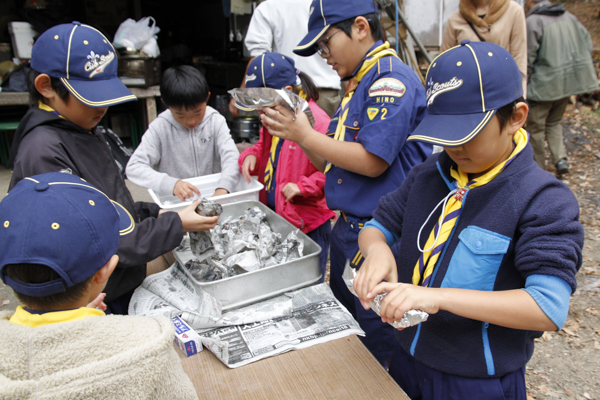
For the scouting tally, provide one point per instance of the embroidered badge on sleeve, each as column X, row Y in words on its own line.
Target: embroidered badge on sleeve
column 372, row 112
column 387, row 87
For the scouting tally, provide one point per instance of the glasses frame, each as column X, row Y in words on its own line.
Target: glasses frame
column 321, row 45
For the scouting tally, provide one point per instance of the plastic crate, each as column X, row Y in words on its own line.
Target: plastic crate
column 207, row 185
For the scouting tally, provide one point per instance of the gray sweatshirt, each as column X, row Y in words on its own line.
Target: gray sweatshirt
column 170, row 151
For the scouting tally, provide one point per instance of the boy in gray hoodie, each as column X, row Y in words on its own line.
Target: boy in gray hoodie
column 189, row 139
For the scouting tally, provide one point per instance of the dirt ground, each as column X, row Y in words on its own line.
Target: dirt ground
column 566, row 364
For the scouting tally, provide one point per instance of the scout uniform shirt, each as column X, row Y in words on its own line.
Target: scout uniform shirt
column 387, row 104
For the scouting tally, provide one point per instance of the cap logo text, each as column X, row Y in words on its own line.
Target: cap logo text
column 98, row 62
column 438, row 88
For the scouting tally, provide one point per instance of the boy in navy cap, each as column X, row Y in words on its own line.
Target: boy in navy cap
column 490, row 242
column 58, row 244
column 366, row 154
column 73, row 83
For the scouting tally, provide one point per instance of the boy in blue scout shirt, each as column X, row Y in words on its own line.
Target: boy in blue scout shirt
column 366, row 154
column 490, row 242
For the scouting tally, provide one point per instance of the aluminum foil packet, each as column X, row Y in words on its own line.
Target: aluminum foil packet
column 410, row 318
column 201, row 242
column 208, row 208
column 209, row 269
column 257, row 98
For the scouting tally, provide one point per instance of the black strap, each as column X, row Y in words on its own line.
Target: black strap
column 475, row 30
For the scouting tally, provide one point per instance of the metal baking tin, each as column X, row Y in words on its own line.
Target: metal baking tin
column 251, row 287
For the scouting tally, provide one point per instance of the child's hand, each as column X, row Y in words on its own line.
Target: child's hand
column 220, row 192
column 291, row 190
column 98, row 302
column 282, row 123
column 378, row 265
column 248, row 165
column 193, row 222
column 402, row 297
column 185, row 190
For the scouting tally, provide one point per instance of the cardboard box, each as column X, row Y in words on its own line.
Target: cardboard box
column 22, row 35
column 186, row 338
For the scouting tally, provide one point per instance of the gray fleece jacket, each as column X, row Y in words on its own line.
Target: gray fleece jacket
column 169, row 152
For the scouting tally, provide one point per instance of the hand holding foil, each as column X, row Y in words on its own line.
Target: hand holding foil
column 257, row 98
column 410, row 318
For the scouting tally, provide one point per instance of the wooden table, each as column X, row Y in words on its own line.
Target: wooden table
column 339, row 369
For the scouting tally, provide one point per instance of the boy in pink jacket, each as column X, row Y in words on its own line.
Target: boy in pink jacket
column 293, row 186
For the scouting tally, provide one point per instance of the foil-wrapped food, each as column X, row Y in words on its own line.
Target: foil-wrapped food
column 410, row 318
column 240, row 245
column 200, row 242
column 255, row 99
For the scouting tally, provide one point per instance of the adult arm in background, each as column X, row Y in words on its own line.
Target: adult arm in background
column 518, row 44
column 449, row 38
column 535, row 31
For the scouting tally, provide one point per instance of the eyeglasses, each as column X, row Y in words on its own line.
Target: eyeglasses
column 321, row 45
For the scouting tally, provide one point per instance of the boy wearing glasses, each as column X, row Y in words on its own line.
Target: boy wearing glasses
column 365, row 154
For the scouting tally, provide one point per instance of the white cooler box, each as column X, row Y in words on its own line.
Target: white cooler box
column 207, row 185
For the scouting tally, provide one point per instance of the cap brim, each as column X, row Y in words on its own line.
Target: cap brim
column 99, row 93
column 126, row 222
column 451, row 130
column 307, row 47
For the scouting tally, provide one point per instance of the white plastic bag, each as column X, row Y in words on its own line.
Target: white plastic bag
column 135, row 34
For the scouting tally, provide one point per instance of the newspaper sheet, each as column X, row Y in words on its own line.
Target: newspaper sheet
column 171, row 293
column 292, row 321
column 317, row 318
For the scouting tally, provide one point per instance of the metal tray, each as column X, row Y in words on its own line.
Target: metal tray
column 250, row 287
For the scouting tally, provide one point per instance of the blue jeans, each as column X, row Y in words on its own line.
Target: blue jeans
column 321, row 236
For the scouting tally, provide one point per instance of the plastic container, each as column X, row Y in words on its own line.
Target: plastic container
column 21, row 34
column 251, row 287
column 207, row 185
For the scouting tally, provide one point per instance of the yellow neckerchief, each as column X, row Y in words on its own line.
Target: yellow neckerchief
column 46, row 107
column 25, row 318
column 270, row 168
column 371, row 59
column 452, row 209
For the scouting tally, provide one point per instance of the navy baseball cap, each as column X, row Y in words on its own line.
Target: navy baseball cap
column 466, row 85
column 85, row 62
column 323, row 14
column 269, row 70
column 60, row 221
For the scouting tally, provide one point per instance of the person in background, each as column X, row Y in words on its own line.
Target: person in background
column 187, row 140
column 495, row 21
column 490, row 243
column 294, row 188
column 559, row 65
column 277, row 26
column 365, row 154
column 58, row 246
column 72, row 84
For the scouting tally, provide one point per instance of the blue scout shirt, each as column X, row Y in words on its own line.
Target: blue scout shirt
column 387, row 105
